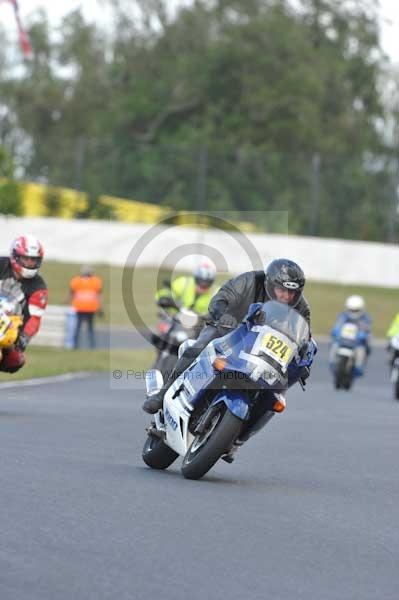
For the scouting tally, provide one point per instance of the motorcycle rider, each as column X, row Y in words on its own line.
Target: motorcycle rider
column 193, row 292
column 282, row 280
column 393, row 330
column 19, row 273
column 355, row 312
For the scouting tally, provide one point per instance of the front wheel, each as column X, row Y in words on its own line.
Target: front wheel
column 343, row 373
column 209, row 446
column 397, row 389
column 156, row 454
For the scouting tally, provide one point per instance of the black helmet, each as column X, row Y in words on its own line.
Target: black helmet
column 286, row 274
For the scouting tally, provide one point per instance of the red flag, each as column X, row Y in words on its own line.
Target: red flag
column 23, row 36
column 25, row 43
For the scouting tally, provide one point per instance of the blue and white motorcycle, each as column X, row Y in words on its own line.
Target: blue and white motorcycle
column 348, row 354
column 230, row 391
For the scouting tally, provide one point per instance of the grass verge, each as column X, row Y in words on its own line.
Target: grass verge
column 47, row 362
column 326, row 300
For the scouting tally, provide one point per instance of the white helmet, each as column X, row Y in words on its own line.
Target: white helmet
column 355, row 305
column 204, row 274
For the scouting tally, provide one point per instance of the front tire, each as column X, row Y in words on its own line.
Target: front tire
column 343, row 377
column 207, row 448
column 397, row 389
column 156, row 454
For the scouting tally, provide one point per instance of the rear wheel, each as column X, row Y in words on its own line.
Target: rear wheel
column 156, row 454
column 209, row 446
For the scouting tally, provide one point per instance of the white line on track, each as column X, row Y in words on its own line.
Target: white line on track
column 45, row 380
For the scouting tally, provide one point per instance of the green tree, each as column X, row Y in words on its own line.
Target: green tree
column 10, row 196
column 262, row 88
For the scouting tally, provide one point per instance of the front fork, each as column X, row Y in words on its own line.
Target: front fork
column 250, row 430
column 238, row 404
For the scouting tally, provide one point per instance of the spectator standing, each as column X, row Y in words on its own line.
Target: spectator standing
column 86, row 300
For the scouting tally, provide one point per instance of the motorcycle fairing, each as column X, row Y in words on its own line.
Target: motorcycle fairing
column 235, row 400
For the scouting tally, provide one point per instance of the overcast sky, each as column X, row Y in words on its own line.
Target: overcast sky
column 94, row 9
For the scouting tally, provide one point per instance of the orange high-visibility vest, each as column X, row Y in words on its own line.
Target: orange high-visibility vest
column 86, row 293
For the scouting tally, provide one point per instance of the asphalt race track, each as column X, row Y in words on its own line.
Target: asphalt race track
column 309, row 509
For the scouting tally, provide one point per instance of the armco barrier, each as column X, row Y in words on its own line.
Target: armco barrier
column 69, row 202
column 132, row 211
column 52, row 329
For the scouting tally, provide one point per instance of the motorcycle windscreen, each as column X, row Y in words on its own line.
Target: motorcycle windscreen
column 11, row 296
column 281, row 330
column 284, row 319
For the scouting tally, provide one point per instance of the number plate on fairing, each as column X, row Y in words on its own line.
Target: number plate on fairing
column 277, row 348
column 349, row 331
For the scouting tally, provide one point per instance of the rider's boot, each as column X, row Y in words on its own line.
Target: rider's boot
column 154, row 402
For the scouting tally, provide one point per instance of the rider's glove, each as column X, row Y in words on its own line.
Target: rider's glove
column 227, row 321
column 22, row 341
column 167, row 302
column 303, row 350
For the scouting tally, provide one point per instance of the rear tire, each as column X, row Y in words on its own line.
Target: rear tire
column 201, row 457
column 156, row 454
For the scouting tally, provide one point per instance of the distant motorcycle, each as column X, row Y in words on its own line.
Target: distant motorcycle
column 173, row 331
column 349, row 340
column 231, row 390
column 394, row 349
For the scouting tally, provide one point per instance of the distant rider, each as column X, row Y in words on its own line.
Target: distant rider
column 193, row 292
column 355, row 312
column 19, row 273
column 282, row 280
column 393, row 331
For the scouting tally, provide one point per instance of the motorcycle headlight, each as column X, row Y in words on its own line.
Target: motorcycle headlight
column 180, row 336
column 188, row 318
